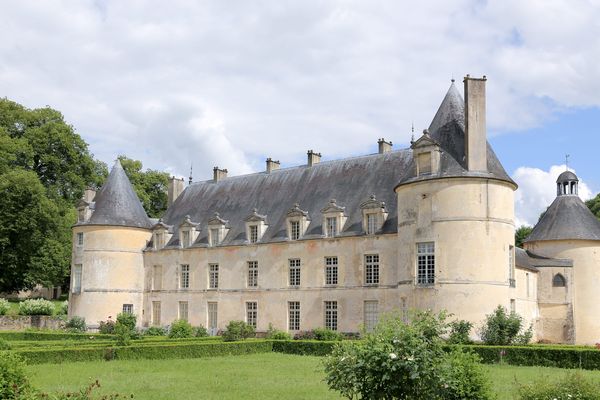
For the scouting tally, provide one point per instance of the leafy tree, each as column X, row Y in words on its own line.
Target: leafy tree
column 594, row 205
column 501, row 328
column 521, row 234
column 149, row 185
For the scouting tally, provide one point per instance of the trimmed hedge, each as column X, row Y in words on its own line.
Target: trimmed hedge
column 304, row 347
column 41, row 335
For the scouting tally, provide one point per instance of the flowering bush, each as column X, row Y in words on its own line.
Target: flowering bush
column 4, row 306
column 572, row 386
column 36, row 307
column 401, row 360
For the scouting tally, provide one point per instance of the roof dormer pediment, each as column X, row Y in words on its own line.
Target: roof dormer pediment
column 424, row 141
column 333, row 207
column 372, row 204
column 296, row 211
column 255, row 217
column 217, row 220
column 187, row 223
column 160, row 225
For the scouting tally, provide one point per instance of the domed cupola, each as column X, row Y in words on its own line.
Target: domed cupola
column 566, row 184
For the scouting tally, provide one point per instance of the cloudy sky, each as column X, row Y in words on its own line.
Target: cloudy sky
column 230, row 83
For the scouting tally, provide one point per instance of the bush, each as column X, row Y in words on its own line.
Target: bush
column 155, row 331
column 4, row 345
column 76, row 325
column 13, row 381
column 327, row 334
column 459, row 332
column 401, row 360
column 200, row 331
column 4, row 306
column 501, row 328
column 305, row 335
column 181, row 329
column 63, row 309
column 237, row 330
column 127, row 319
column 573, row 386
column 36, row 307
column 276, row 334
column 107, row 327
column 305, row 347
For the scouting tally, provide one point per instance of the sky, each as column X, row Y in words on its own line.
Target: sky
column 229, row 83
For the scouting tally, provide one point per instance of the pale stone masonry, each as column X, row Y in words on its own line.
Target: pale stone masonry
column 338, row 243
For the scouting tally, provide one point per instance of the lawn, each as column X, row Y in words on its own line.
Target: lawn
column 258, row 376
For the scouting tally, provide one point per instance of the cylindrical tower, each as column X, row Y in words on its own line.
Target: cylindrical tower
column 107, row 271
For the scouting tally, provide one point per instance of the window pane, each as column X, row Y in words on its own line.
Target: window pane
column 331, row 270
column 371, row 315
column 251, row 313
column 331, row 226
column 156, row 313
column 184, row 279
column 294, row 272
column 371, row 224
column 294, row 315
column 295, row 230
column 331, row 315
column 212, row 316
column 77, row 271
column 372, row 269
column 128, row 308
column 425, row 263
column 183, row 310
column 213, row 276
column 252, row 274
column 253, row 234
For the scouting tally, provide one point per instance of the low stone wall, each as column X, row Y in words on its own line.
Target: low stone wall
column 15, row 323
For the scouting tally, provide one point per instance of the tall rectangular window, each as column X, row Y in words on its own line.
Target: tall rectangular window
column 425, row 263
column 295, row 230
column 371, row 314
column 185, row 238
column 213, row 276
column 184, row 278
column 79, row 238
column 371, row 223
column 215, row 236
column 127, row 308
column 511, row 266
column 372, row 269
column 253, row 233
column 331, row 226
column 331, row 315
column 294, row 315
column 331, row 270
column 513, row 306
column 77, row 270
column 294, row 271
column 212, row 316
column 183, row 310
column 251, row 313
column 157, row 277
column 252, row 274
column 527, row 283
column 156, row 313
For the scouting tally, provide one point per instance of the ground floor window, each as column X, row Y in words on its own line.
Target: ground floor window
column 294, row 315
column 183, row 310
column 212, row 316
column 371, row 314
column 251, row 313
column 76, row 288
column 128, row 308
column 331, row 315
column 156, row 313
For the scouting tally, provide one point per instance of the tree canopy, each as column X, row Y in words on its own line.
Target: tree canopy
column 594, row 205
column 521, row 234
column 150, row 186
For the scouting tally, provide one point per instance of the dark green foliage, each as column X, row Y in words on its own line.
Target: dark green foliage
column 63, row 309
column 305, row 335
column 128, row 320
column 200, row 332
column 521, row 234
column 594, row 205
column 155, row 331
column 13, row 381
column 573, row 386
column 181, row 329
column 82, row 394
column 4, row 306
column 107, row 327
column 502, row 328
column 36, row 307
column 459, row 332
column 276, row 334
column 76, row 325
column 464, row 378
column 149, row 185
column 44, row 336
column 327, row 334
column 237, row 330
column 4, row 345
column 304, row 347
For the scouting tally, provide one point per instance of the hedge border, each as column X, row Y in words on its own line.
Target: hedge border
column 41, row 335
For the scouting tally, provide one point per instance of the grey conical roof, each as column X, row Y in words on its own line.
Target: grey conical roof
column 117, row 203
column 567, row 218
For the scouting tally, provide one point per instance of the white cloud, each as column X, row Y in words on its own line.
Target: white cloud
column 135, row 77
column 537, row 190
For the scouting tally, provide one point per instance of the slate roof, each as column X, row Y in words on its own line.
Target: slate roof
column 532, row 261
column 567, row 218
column 117, row 204
column 567, row 176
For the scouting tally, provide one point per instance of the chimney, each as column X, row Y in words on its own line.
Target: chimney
column 219, row 174
column 89, row 194
column 272, row 165
column 384, row 147
column 174, row 189
column 475, row 128
column 313, row 158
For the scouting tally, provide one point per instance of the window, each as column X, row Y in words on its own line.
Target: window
column 424, row 162
column 215, row 236
column 559, row 281
column 331, row 315
column 331, row 270
column 184, row 277
column 80, row 239
column 183, row 310
column 295, row 230
column 185, row 238
column 527, row 282
column 512, row 305
column 156, row 313
column 294, row 315
column 331, row 226
column 251, row 313
column 511, row 266
column 213, row 276
column 76, row 278
column 371, row 314
column 157, row 277
column 372, row 269
column 160, row 240
column 425, row 263
column 252, row 273
column 371, row 224
column 294, row 272
column 127, row 308
column 212, row 316
column 253, row 233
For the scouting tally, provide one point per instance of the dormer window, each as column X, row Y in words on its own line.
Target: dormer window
column 185, row 239
column 334, row 219
column 160, row 235
column 297, row 222
column 255, row 226
column 215, row 236
column 426, row 153
column 374, row 215
column 187, row 232
column 217, row 230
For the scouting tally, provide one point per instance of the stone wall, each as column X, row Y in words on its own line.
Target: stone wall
column 14, row 323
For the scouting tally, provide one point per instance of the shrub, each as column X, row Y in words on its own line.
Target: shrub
column 76, row 325
column 327, row 334
column 4, row 345
column 127, row 319
column 237, row 330
column 155, row 331
column 123, row 334
column 401, row 360
column 459, row 332
column 13, row 381
column 63, row 309
column 181, row 329
column 4, row 306
column 501, row 328
column 107, row 327
column 276, row 334
column 305, row 347
column 305, row 335
column 200, row 331
column 573, row 386
column 36, row 307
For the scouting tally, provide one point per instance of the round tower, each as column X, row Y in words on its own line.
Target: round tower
column 107, row 271
column 456, row 214
column 569, row 230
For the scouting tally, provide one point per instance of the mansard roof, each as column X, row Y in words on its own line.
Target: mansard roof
column 117, row 204
column 350, row 181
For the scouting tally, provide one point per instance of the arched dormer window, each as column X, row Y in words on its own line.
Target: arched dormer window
column 559, row 281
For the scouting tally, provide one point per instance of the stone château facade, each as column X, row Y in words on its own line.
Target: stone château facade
column 338, row 243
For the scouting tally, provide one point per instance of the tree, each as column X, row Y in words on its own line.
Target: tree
column 594, row 205
column 501, row 328
column 149, row 185
column 521, row 234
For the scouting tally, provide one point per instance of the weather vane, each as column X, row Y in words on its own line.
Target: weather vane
column 191, row 166
column 567, row 161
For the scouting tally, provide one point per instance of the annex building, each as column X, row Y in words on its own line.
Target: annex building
column 337, row 243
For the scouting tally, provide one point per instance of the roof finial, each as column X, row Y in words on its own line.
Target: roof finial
column 412, row 130
column 452, row 79
column 191, row 167
column 567, row 161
